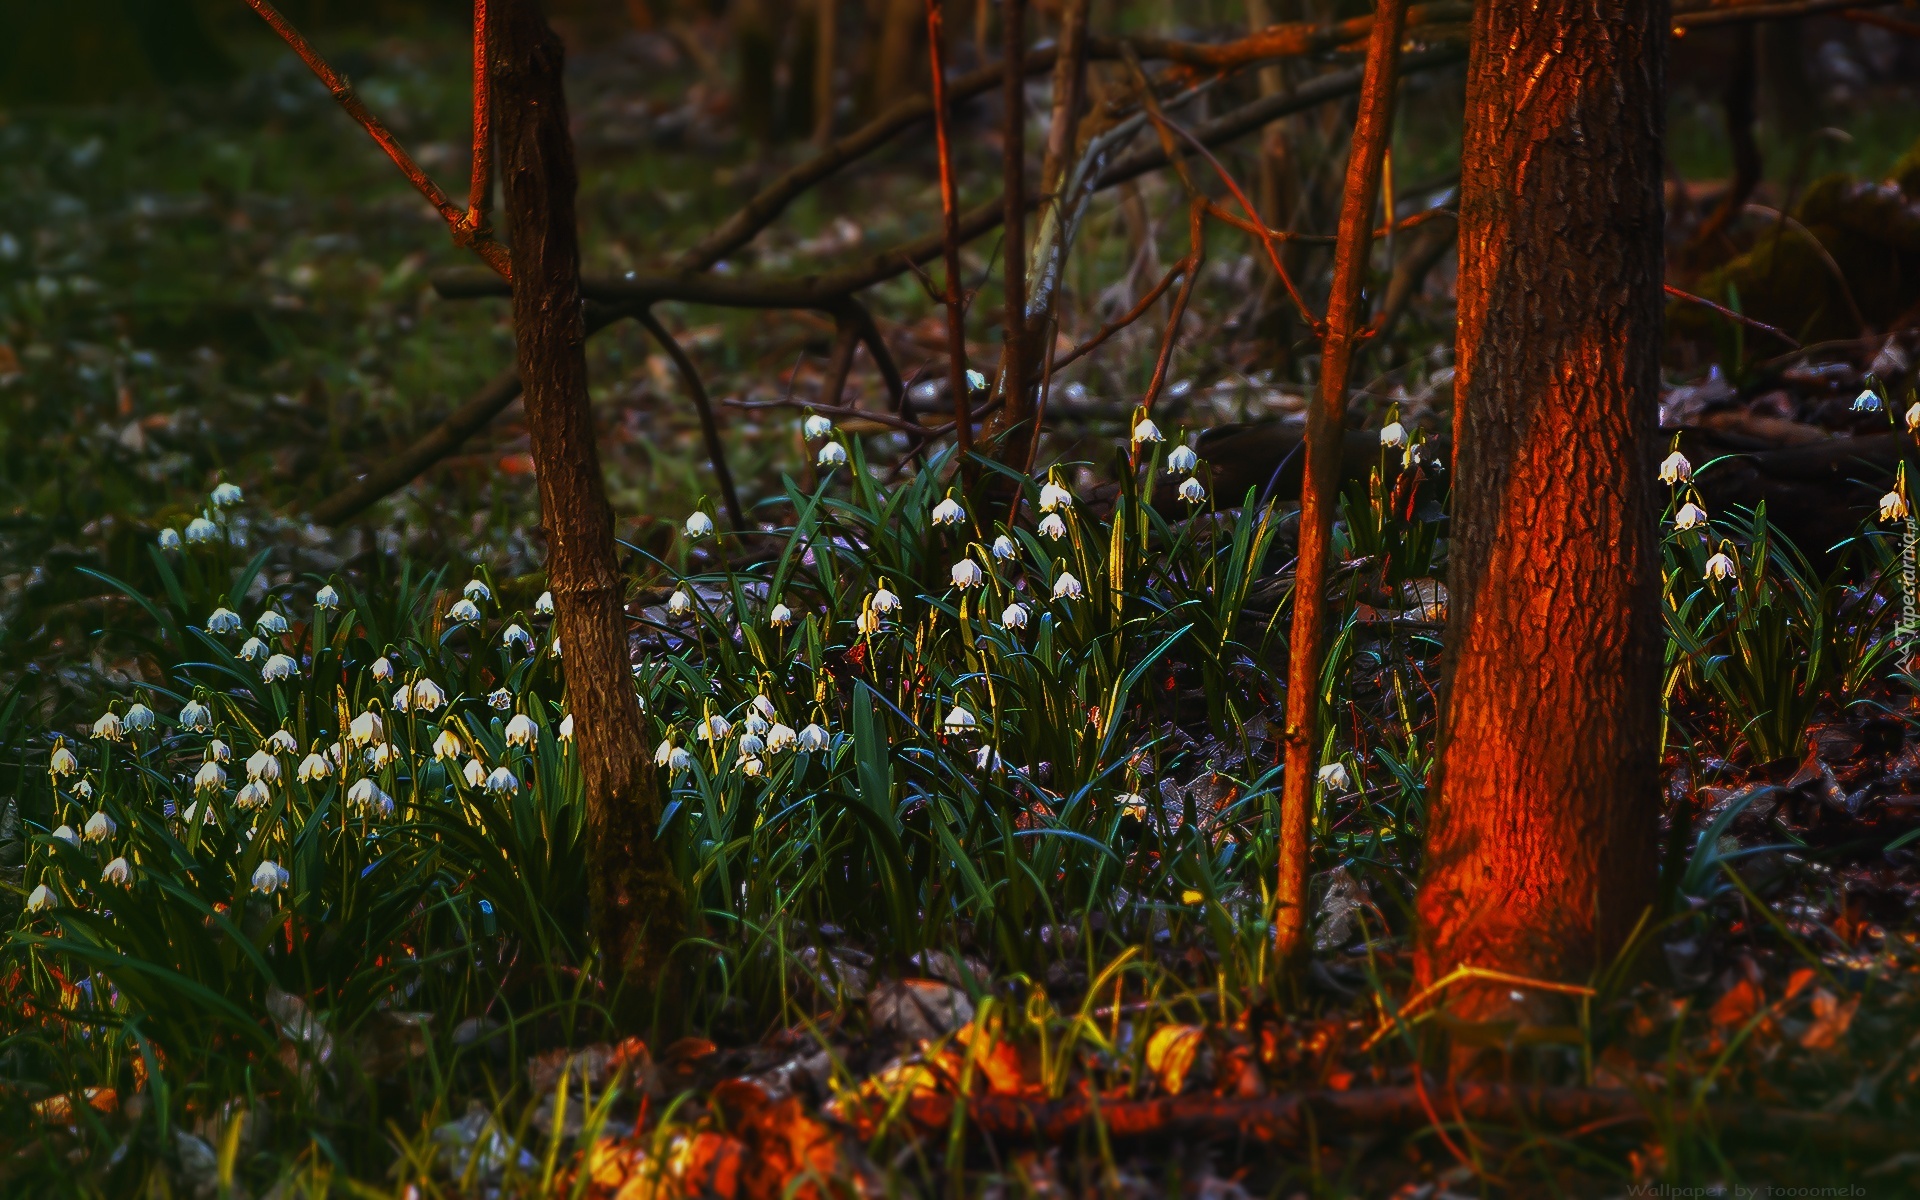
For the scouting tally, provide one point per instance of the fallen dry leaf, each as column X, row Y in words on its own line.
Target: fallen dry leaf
column 1831, row 1017
column 1171, row 1053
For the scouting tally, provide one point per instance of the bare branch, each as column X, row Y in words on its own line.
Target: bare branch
column 690, row 375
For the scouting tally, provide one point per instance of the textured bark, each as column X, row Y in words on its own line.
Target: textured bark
column 638, row 909
column 1542, row 842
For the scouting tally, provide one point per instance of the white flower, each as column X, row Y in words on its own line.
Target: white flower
column 1066, row 587
column 832, row 454
column 210, row 777
column 814, row 738
column 554, row 649
column 1913, row 419
column 1689, row 516
column 1393, row 435
column 223, row 621
column 976, row 382
column 280, row 666
column 1132, row 804
column 1181, row 458
column 544, row 605
column 764, row 706
column 816, row 427
column 750, row 745
column 262, row 765
column 756, row 724
column 780, row 617
column 1192, row 492
column 1003, row 548
column 428, row 696
column 365, row 728
column 217, row 750
column 138, row 717
column 368, row 794
column 885, row 601
column 169, row 539
column 679, row 604
column 196, row 716
column 1719, row 567
column 679, row 760
column 271, row 623
column 475, row 772
column 948, row 512
column 869, row 622
column 663, row 753
column 967, row 574
column 958, row 719
column 1014, row 616
column 1052, row 527
column 566, row 726
column 780, row 738
column 118, row 872
column 253, row 795
column 382, row 669
column 66, row 834
column 448, row 745
column 1144, row 430
column 698, row 525
column 281, row 742
column 251, row 649
column 201, row 531
column 402, row 698
column 82, row 790
column 41, row 899
column 713, row 729
column 269, row 877
column 500, row 698
column 1053, row 496
column 326, row 598
column 1867, row 401
column 1334, row 777
column 1675, row 468
column 986, row 758
column 108, row 727
column 502, row 782
column 751, row 766
column 477, row 591
column 382, row 755
column 1893, row 506
column 521, row 731
column 313, row 768
column 515, row 638
column 225, row 495
column 464, row 610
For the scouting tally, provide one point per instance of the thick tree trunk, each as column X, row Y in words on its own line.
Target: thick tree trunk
column 638, row 909
column 1542, row 842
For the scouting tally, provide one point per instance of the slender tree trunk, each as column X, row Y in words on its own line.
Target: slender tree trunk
column 1013, row 41
column 1542, row 841
column 638, row 909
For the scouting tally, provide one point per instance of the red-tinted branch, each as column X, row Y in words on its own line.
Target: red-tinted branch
column 1013, row 185
column 480, row 185
column 1121, row 322
column 1731, row 315
column 1190, row 265
column 950, row 237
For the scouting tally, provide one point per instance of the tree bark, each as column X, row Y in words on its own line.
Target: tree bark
column 1542, row 841
column 638, row 909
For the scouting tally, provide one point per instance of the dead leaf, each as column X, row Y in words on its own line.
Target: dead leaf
column 1172, row 1052
column 1739, row 1004
column 918, row 1010
column 1831, row 1017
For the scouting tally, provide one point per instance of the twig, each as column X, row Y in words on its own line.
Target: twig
column 1121, row 322
column 1731, row 315
column 1721, row 12
column 690, row 375
column 464, row 233
column 1826, row 257
column 1196, row 255
column 950, row 238
column 846, row 411
column 1013, row 195
column 846, row 341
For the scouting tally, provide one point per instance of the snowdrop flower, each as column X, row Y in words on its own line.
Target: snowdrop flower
column 367, row 794
column 253, row 795
column 269, row 877
column 884, row 601
column 976, row 382
column 41, row 899
column 502, row 782
column 1067, row 587
column 402, row 698
column 679, row 759
column 967, row 574
column 118, row 872
column 382, row 755
column 169, row 539
column 1192, row 492
column 756, row 724
column 814, row 738
column 1144, row 430
column 382, row 669
column 958, row 720
column 948, row 512
column 1913, row 422
column 780, row 738
column 138, row 717
column 210, row 777
column 679, row 604
column 1675, row 468
column 223, row 621
column 663, row 752
column 751, row 745
column 1182, row 458
column 1393, row 435
column 477, row 591
column 1719, row 567
column 751, row 766
column 251, row 649
column 428, row 696
column 1053, row 496
column 66, row 834
column 1052, row 527
column 448, row 745
column 326, row 598
column 313, row 768
column 764, row 706
column 1014, row 616
column 261, row 765
column 1003, row 548
column 780, row 617
column 521, row 731
column 515, row 638
column 699, row 525
column 869, row 622
column 217, row 750
column 1893, row 507
column 108, row 727
column 1334, row 777
column 1133, row 804
column 1690, row 516
column 475, row 772
column 832, row 454
column 281, row 742
column 365, row 728
column 464, row 610
column 544, row 605
column 225, row 495
column 1867, row 401
column 816, row 427
column 500, row 699
column 271, row 623
column 986, row 758
column 99, row 827
column 566, row 726
column 196, row 716
column 280, row 666
column 201, row 531
column 82, row 790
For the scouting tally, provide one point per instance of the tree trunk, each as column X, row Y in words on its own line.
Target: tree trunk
column 638, row 909
column 1542, row 840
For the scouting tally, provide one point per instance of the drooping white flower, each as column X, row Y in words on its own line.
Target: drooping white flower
column 751, row 745
column 252, row 795
column 119, row 872
column 326, row 598
column 99, row 827
column 402, row 698
column 382, row 669
column 82, row 790
column 382, row 755
column 41, row 899
column 698, row 525
column 464, row 610
column 679, row 604
column 814, row 738
column 169, row 539
column 763, row 704
column 502, row 782
column 816, row 427
column 756, row 724
column 869, row 622
column 1181, row 458
column 566, row 726
column 500, row 699
column 66, row 834
column 428, row 696
column 211, row 777
column 679, row 759
column 663, row 752
column 1334, row 777
column 138, row 717
column 196, row 716
column 780, row 738
column 833, row 454
column 200, row 531
column 225, row 495
column 218, row 751
column 280, row 666
column 986, row 758
column 553, row 649
column 1144, row 431
column 544, row 605
column 521, row 731
column 514, row 638
column 1066, row 587
column 271, row 623
column 1393, row 435
column 475, row 772
column 477, row 591
column 884, row 601
column 365, row 728
column 1003, row 548
column 967, row 574
column 780, row 617
column 269, row 877
column 1192, row 491
column 714, row 728
column 108, row 726
column 957, row 720
column 1690, row 516
column 313, row 768
column 751, row 766
column 448, row 745
column 1014, row 616
column 1893, row 507
column 1720, row 567
column 1675, row 468
column 280, row 741
column 365, row 793
column 262, row 765
column 1913, row 419
column 948, row 512
column 1867, row 401
column 1053, row 496
column 222, row 621
column 976, row 382
column 1052, row 527
column 251, row 649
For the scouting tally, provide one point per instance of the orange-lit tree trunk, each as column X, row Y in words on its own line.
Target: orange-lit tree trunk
column 638, row 909
column 1542, row 841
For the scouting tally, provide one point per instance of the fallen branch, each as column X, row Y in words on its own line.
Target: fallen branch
column 1731, row 315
